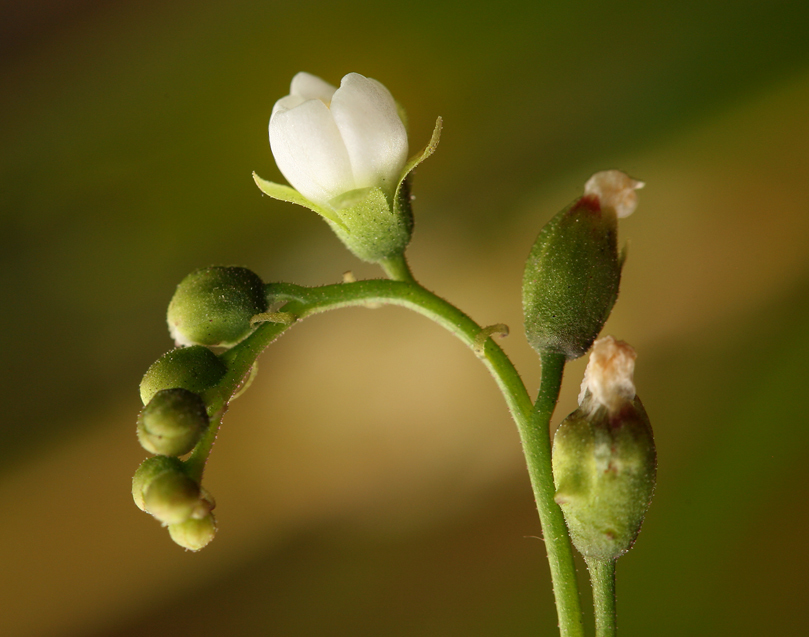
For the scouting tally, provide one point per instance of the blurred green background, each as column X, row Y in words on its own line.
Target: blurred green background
column 371, row 481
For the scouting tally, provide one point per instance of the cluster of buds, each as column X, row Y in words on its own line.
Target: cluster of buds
column 211, row 307
column 604, row 461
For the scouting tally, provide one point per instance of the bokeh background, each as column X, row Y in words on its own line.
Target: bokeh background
column 371, row 481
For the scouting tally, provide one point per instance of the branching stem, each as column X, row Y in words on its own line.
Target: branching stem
column 532, row 421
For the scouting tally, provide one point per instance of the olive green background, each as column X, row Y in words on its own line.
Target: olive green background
column 371, row 482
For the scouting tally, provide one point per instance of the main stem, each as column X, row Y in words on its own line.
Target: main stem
column 531, row 423
column 537, row 448
column 602, row 576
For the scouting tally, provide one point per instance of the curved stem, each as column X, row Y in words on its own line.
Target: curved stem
column 602, row 576
column 532, row 425
column 537, row 449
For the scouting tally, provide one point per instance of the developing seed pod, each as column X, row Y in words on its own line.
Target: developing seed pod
column 573, row 273
column 194, row 535
column 173, row 422
column 194, row 368
column 604, row 459
column 213, row 306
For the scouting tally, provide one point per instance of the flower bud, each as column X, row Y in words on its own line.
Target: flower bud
column 194, row 535
column 604, row 459
column 344, row 151
column 213, row 306
column 173, row 422
column 573, row 273
column 150, row 469
column 194, row 368
column 173, row 497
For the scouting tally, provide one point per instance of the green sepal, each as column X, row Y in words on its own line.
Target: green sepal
column 571, row 279
column 290, row 195
column 425, row 152
column 370, row 228
column 604, row 470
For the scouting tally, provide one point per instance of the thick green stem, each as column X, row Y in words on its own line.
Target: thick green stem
column 602, row 576
column 532, row 425
column 537, row 447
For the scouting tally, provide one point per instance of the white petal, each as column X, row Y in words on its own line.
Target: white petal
column 311, row 87
column 287, row 103
column 310, row 152
column 374, row 136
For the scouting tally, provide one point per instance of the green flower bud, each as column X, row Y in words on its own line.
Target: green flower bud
column 173, row 422
column 150, row 469
column 173, row 497
column 194, row 368
column 573, row 273
column 604, row 459
column 213, row 306
column 194, row 534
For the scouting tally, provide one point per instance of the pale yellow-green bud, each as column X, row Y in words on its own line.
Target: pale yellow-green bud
column 173, row 422
column 173, row 497
column 194, row 535
column 147, row 472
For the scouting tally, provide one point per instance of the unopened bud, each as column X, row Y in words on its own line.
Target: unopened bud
column 173, row 497
column 213, row 306
column 194, row 368
column 150, row 469
column 194, row 534
column 573, row 273
column 173, row 422
column 604, row 459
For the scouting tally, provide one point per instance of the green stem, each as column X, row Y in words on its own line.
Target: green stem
column 533, row 426
column 397, row 268
column 537, row 448
column 195, row 465
column 602, row 576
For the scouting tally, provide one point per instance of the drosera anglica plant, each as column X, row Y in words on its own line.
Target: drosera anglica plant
column 344, row 151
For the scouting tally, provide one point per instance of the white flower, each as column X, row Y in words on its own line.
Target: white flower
column 328, row 141
column 615, row 190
